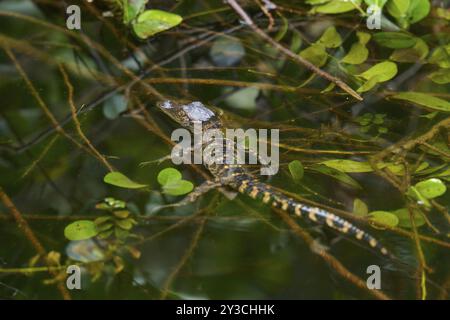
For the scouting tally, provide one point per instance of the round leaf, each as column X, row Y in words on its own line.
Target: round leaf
column 151, row 22
column 168, row 175
column 404, row 219
column 80, row 230
column 358, row 54
column 384, row 217
column 431, row 188
column 360, row 207
column 120, row 180
column 296, row 170
column 178, row 188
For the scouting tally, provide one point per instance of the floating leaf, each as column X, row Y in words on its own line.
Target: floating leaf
column 168, row 175
column 114, row 107
column 296, row 170
column 178, row 188
column 336, row 174
column 348, row 165
column 121, row 233
column 104, row 226
column 151, row 22
column 378, row 3
column 226, row 51
column 358, row 54
column 120, row 180
column 316, row 54
column 424, row 99
column 243, row 98
column 124, row 224
column 101, row 220
column 336, row 6
column 418, row 9
column 360, row 207
column 132, row 8
column 418, row 52
column 431, row 188
column 404, row 219
column 441, row 56
column 384, row 217
column 80, row 230
column 394, row 40
column 443, row 13
column 386, row 70
column 408, row 11
column 330, row 38
column 415, row 194
column 122, row 214
column 380, row 72
column 442, row 76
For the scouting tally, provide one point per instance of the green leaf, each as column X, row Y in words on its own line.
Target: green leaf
column 115, row 106
column 415, row 194
column 330, row 38
column 442, row 76
column 336, row 6
column 168, row 175
column 394, row 40
column 408, row 11
column 296, row 169
column 424, row 99
column 384, row 217
column 441, row 56
column 418, row 52
column 121, row 233
column 336, row 174
column 348, row 165
column 151, row 22
column 105, row 234
column 431, row 188
column 226, row 51
column 386, row 70
column 378, row 3
column 126, row 224
column 120, row 180
column 104, row 226
column 101, row 220
column 418, row 9
column 380, row 72
column 360, row 208
column 358, row 54
column 404, row 219
column 363, row 37
column 132, row 8
column 443, row 13
column 315, row 54
column 122, row 214
column 398, row 8
column 178, row 188
column 244, row 99
column 80, row 230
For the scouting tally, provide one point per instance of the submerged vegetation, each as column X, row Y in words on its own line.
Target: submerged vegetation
column 358, row 89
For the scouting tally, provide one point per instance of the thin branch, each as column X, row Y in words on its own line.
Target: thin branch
column 29, row 234
column 291, row 54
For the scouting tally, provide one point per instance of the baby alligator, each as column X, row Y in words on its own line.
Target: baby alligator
column 235, row 176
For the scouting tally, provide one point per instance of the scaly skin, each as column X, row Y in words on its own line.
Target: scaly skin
column 187, row 114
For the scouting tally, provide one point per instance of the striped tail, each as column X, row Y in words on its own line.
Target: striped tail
column 248, row 185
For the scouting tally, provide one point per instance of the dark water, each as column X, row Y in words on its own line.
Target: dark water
column 214, row 248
